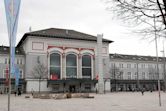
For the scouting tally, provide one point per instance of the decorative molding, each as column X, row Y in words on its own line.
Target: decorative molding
column 38, row 46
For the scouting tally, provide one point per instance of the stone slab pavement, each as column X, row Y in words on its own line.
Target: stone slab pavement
column 121, row 101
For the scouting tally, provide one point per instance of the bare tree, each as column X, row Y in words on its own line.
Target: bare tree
column 39, row 72
column 141, row 13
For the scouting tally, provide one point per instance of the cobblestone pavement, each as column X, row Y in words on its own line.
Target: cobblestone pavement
column 122, row 101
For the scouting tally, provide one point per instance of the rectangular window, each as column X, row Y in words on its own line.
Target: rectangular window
column 17, row 61
column 135, row 65
column 112, row 64
column 121, row 75
column 5, row 60
column 5, row 73
column 21, row 73
column 143, row 75
column 143, row 66
column 136, row 75
column 120, row 65
column 150, row 76
column 21, row 61
column 129, row 75
column 128, row 65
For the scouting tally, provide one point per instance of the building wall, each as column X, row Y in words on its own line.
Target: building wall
column 38, row 47
column 4, row 64
column 147, row 72
column 33, row 85
column 35, row 47
column 143, row 66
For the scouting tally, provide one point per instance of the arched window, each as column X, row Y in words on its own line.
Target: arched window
column 86, row 66
column 55, row 66
column 71, row 66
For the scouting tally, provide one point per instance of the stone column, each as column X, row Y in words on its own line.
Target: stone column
column 100, row 64
column 79, row 66
column 63, row 66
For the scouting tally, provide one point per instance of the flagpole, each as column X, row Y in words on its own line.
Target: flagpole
column 10, row 41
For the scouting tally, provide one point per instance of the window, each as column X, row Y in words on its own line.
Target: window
column 136, row 75
column 20, row 61
column 150, row 76
column 5, row 60
column 143, row 66
column 143, row 75
column 129, row 75
column 17, row 61
column 120, row 75
column 156, row 76
column 112, row 64
column 55, row 65
column 86, row 66
column 135, row 65
column 71, row 66
column 21, row 73
column 6, row 72
column 128, row 65
column 121, row 65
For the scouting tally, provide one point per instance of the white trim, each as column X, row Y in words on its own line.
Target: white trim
column 71, row 50
column 87, row 52
column 55, row 49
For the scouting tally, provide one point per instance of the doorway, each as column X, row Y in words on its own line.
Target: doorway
column 72, row 88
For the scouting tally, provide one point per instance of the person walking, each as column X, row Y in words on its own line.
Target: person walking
column 142, row 91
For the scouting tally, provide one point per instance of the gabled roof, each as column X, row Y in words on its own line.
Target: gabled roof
column 61, row 33
column 6, row 50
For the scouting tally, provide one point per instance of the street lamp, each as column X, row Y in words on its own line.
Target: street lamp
column 157, row 60
column 164, row 74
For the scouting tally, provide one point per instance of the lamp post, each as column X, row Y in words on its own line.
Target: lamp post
column 138, row 83
column 158, row 81
column 164, row 74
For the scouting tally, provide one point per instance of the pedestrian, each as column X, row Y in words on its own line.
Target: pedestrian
column 32, row 91
column 142, row 91
column 19, row 92
column 15, row 92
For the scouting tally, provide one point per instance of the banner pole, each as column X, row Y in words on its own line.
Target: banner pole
column 10, row 42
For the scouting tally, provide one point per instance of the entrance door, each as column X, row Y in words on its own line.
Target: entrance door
column 72, row 88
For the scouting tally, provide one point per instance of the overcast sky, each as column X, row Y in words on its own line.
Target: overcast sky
column 87, row 16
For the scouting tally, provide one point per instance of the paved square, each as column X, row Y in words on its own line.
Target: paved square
column 122, row 101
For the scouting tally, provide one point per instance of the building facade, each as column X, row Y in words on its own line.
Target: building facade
column 69, row 57
column 132, row 72
column 4, row 68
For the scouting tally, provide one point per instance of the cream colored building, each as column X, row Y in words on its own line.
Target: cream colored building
column 69, row 56
column 130, row 72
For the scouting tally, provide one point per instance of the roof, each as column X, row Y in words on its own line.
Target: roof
column 6, row 50
column 61, row 33
column 135, row 57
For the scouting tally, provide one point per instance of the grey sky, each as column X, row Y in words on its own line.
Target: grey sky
column 88, row 16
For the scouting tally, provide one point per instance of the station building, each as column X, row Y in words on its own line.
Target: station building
column 67, row 60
